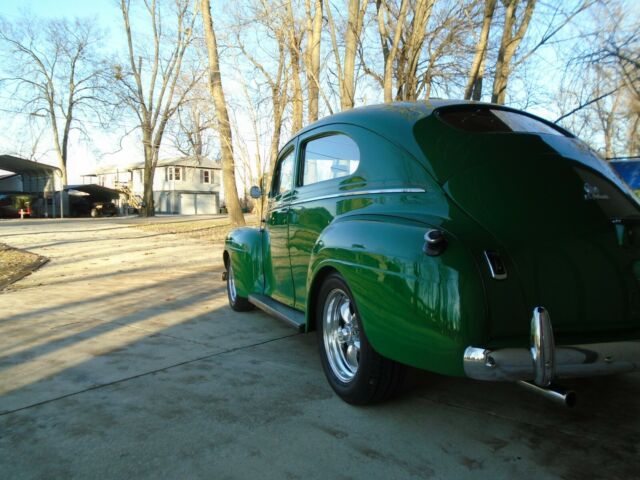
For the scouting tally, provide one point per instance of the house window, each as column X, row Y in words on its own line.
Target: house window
column 205, row 176
column 174, row 173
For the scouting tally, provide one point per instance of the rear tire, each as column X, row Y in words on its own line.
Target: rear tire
column 236, row 302
column 357, row 373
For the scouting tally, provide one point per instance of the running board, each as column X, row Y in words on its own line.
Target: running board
column 293, row 317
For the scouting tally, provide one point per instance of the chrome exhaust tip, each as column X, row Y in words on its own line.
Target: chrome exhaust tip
column 556, row 394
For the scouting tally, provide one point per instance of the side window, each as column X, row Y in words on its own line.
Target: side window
column 283, row 180
column 329, row 157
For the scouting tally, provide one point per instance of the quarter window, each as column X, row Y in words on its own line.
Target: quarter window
column 329, row 157
column 283, row 181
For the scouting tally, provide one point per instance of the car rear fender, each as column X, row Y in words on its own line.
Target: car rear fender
column 417, row 309
column 243, row 250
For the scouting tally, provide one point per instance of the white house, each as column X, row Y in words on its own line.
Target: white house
column 186, row 185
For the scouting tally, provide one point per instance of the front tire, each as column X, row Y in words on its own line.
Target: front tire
column 236, row 302
column 355, row 371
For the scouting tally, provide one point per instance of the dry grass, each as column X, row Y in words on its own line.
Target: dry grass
column 15, row 264
column 213, row 230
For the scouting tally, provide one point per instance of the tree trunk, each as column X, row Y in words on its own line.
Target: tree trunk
column 294, row 54
column 413, row 49
column 222, row 116
column 352, row 37
column 148, row 210
column 508, row 46
column 473, row 90
column 314, row 35
column 388, row 64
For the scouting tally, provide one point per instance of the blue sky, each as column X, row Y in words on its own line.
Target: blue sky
column 546, row 72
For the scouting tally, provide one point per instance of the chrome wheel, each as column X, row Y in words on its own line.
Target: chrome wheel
column 341, row 335
column 231, row 285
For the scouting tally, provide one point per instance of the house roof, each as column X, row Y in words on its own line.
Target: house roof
column 201, row 162
column 22, row 166
column 629, row 170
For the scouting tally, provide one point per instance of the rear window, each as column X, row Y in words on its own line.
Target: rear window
column 484, row 120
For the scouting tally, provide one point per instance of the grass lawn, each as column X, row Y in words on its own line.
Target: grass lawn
column 15, row 264
column 213, row 230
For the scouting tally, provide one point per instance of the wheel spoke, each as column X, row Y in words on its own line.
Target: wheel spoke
column 345, row 312
column 352, row 356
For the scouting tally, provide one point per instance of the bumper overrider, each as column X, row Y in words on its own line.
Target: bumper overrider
column 545, row 362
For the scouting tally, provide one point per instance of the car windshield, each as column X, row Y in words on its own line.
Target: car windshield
column 484, row 120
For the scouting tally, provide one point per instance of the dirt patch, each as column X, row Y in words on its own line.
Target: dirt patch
column 16, row 264
column 213, row 230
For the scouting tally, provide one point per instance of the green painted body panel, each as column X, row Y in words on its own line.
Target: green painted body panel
column 244, row 248
column 519, row 194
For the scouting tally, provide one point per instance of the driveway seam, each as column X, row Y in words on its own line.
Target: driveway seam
column 150, row 372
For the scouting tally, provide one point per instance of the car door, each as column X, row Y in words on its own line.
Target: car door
column 278, row 281
column 328, row 160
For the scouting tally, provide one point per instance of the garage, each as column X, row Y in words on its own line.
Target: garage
column 197, row 203
column 187, row 203
column 206, row 203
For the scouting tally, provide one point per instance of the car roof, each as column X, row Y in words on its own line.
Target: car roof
column 385, row 116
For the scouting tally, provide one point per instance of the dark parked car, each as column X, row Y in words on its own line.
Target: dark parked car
column 466, row 239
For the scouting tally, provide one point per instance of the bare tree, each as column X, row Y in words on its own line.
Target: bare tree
column 224, row 127
column 473, row 89
column 273, row 69
column 390, row 48
column 55, row 72
column 345, row 66
column 312, row 56
column 295, row 34
column 512, row 34
column 149, row 84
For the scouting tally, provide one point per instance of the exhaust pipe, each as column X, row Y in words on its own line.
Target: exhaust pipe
column 554, row 393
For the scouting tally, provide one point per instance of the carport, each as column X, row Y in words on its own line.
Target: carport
column 91, row 193
column 37, row 179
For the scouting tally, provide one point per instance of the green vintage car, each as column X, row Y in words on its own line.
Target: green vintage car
column 467, row 239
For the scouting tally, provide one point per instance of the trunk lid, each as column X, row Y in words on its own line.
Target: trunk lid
column 563, row 222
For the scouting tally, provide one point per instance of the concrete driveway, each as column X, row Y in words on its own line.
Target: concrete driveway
column 120, row 359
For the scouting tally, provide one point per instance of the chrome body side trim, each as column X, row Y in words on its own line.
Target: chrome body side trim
column 360, row 192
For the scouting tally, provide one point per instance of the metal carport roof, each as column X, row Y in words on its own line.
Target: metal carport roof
column 21, row 165
column 33, row 170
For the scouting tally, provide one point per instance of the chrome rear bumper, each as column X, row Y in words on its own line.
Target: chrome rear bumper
column 544, row 362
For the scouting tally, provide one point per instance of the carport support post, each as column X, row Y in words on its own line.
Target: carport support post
column 53, row 196
column 61, row 197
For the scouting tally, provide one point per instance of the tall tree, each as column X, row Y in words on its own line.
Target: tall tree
column 272, row 69
column 295, row 34
column 149, row 83
column 346, row 66
column 473, row 89
column 512, row 34
column 222, row 116
column 312, row 56
column 390, row 49
column 55, row 71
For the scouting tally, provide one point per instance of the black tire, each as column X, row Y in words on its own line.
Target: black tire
column 236, row 302
column 375, row 377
